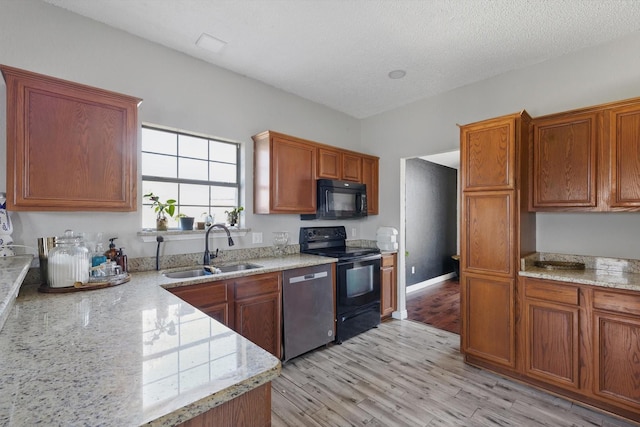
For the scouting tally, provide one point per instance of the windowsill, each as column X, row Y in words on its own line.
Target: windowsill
column 149, row 235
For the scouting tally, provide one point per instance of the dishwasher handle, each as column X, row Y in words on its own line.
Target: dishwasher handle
column 308, row 277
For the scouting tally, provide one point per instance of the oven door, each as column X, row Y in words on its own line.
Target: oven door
column 358, row 283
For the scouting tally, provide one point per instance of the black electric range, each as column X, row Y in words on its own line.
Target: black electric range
column 331, row 242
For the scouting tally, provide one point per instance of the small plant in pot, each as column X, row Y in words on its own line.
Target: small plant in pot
column 233, row 215
column 186, row 222
column 164, row 210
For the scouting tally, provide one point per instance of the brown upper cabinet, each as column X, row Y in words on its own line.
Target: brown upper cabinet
column 284, row 174
column 339, row 164
column 370, row 165
column 286, row 169
column 564, row 161
column 69, row 146
column 586, row 160
column 624, row 139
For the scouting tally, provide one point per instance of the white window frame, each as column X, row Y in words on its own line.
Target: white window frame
column 146, row 204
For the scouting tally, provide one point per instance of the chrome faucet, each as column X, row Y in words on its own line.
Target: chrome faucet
column 207, row 255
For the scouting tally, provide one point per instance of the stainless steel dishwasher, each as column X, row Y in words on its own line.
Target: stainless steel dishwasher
column 308, row 309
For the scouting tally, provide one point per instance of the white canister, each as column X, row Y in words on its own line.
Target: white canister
column 386, row 239
column 68, row 261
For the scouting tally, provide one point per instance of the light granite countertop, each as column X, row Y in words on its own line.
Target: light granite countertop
column 12, row 272
column 599, row 271
column 129, row 355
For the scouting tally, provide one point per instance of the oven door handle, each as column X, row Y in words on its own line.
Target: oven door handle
column 359, row 259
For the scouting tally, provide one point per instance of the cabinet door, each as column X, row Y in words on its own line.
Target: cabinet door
column 293, row 177
column 70, row 147
column 258, row 310
column 624, row 140
column 551, row 343
column 388, row 285
column 564, row 162
column 488, row 155
column 351, row 167
column 370, row 179
column 210, row 298
column 487, row 233
column 488, row 318
column 329, row 164
column 617, row 359
column 258, row 320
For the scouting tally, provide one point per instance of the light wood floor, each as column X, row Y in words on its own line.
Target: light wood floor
column 406, row 373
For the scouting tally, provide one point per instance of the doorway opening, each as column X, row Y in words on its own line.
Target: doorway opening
column 430, row 229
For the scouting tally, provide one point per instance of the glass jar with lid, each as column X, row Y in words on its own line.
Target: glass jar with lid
column 68, row 261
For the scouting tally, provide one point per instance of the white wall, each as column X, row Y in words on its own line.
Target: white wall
column 186, row 93
column 593, row 76
column 177, row 91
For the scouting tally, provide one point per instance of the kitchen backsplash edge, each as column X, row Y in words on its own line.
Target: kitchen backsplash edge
column 590, row 262
column 141, row 264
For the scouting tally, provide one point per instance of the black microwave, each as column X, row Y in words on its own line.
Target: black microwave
column 339, row 200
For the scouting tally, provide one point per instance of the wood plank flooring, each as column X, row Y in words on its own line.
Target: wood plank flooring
column 437, row 305
column 405, row 373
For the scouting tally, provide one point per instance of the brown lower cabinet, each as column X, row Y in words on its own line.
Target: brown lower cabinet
column 250, row 409
column 388, row 284
column 250, row 305
column 579, row 341
column 257, row 308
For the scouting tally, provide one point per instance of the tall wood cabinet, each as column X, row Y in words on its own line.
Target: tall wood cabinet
column 70, row 147
column 496, row 228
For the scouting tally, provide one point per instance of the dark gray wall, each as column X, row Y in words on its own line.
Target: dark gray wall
column 431, row 204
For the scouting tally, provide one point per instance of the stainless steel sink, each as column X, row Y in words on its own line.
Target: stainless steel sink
column 200, row 271
column 237, row 267
column 185, row 274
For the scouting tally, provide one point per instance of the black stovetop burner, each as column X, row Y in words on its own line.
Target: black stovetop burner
column 331, row 242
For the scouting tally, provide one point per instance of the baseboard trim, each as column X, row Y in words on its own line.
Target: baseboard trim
column 427, row 283
column 400, row 315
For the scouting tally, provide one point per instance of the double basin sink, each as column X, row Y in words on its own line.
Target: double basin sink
column 208, row 271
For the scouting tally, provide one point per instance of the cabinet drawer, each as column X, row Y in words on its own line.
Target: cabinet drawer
column 203, row 294
column 628, row 303
column 257, row 285
column 387, row 261
column 551, row 291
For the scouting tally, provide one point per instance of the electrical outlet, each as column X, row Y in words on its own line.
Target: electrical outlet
column 413, row 269
column 256, row 237
column 353, row 232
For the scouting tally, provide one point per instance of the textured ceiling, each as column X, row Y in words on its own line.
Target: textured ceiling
column 338, row 52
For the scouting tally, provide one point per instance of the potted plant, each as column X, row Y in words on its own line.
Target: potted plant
column 164, row 210
column 233, row 214
column 186, row 222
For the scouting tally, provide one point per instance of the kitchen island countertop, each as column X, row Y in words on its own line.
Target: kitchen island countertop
column 132, row 354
